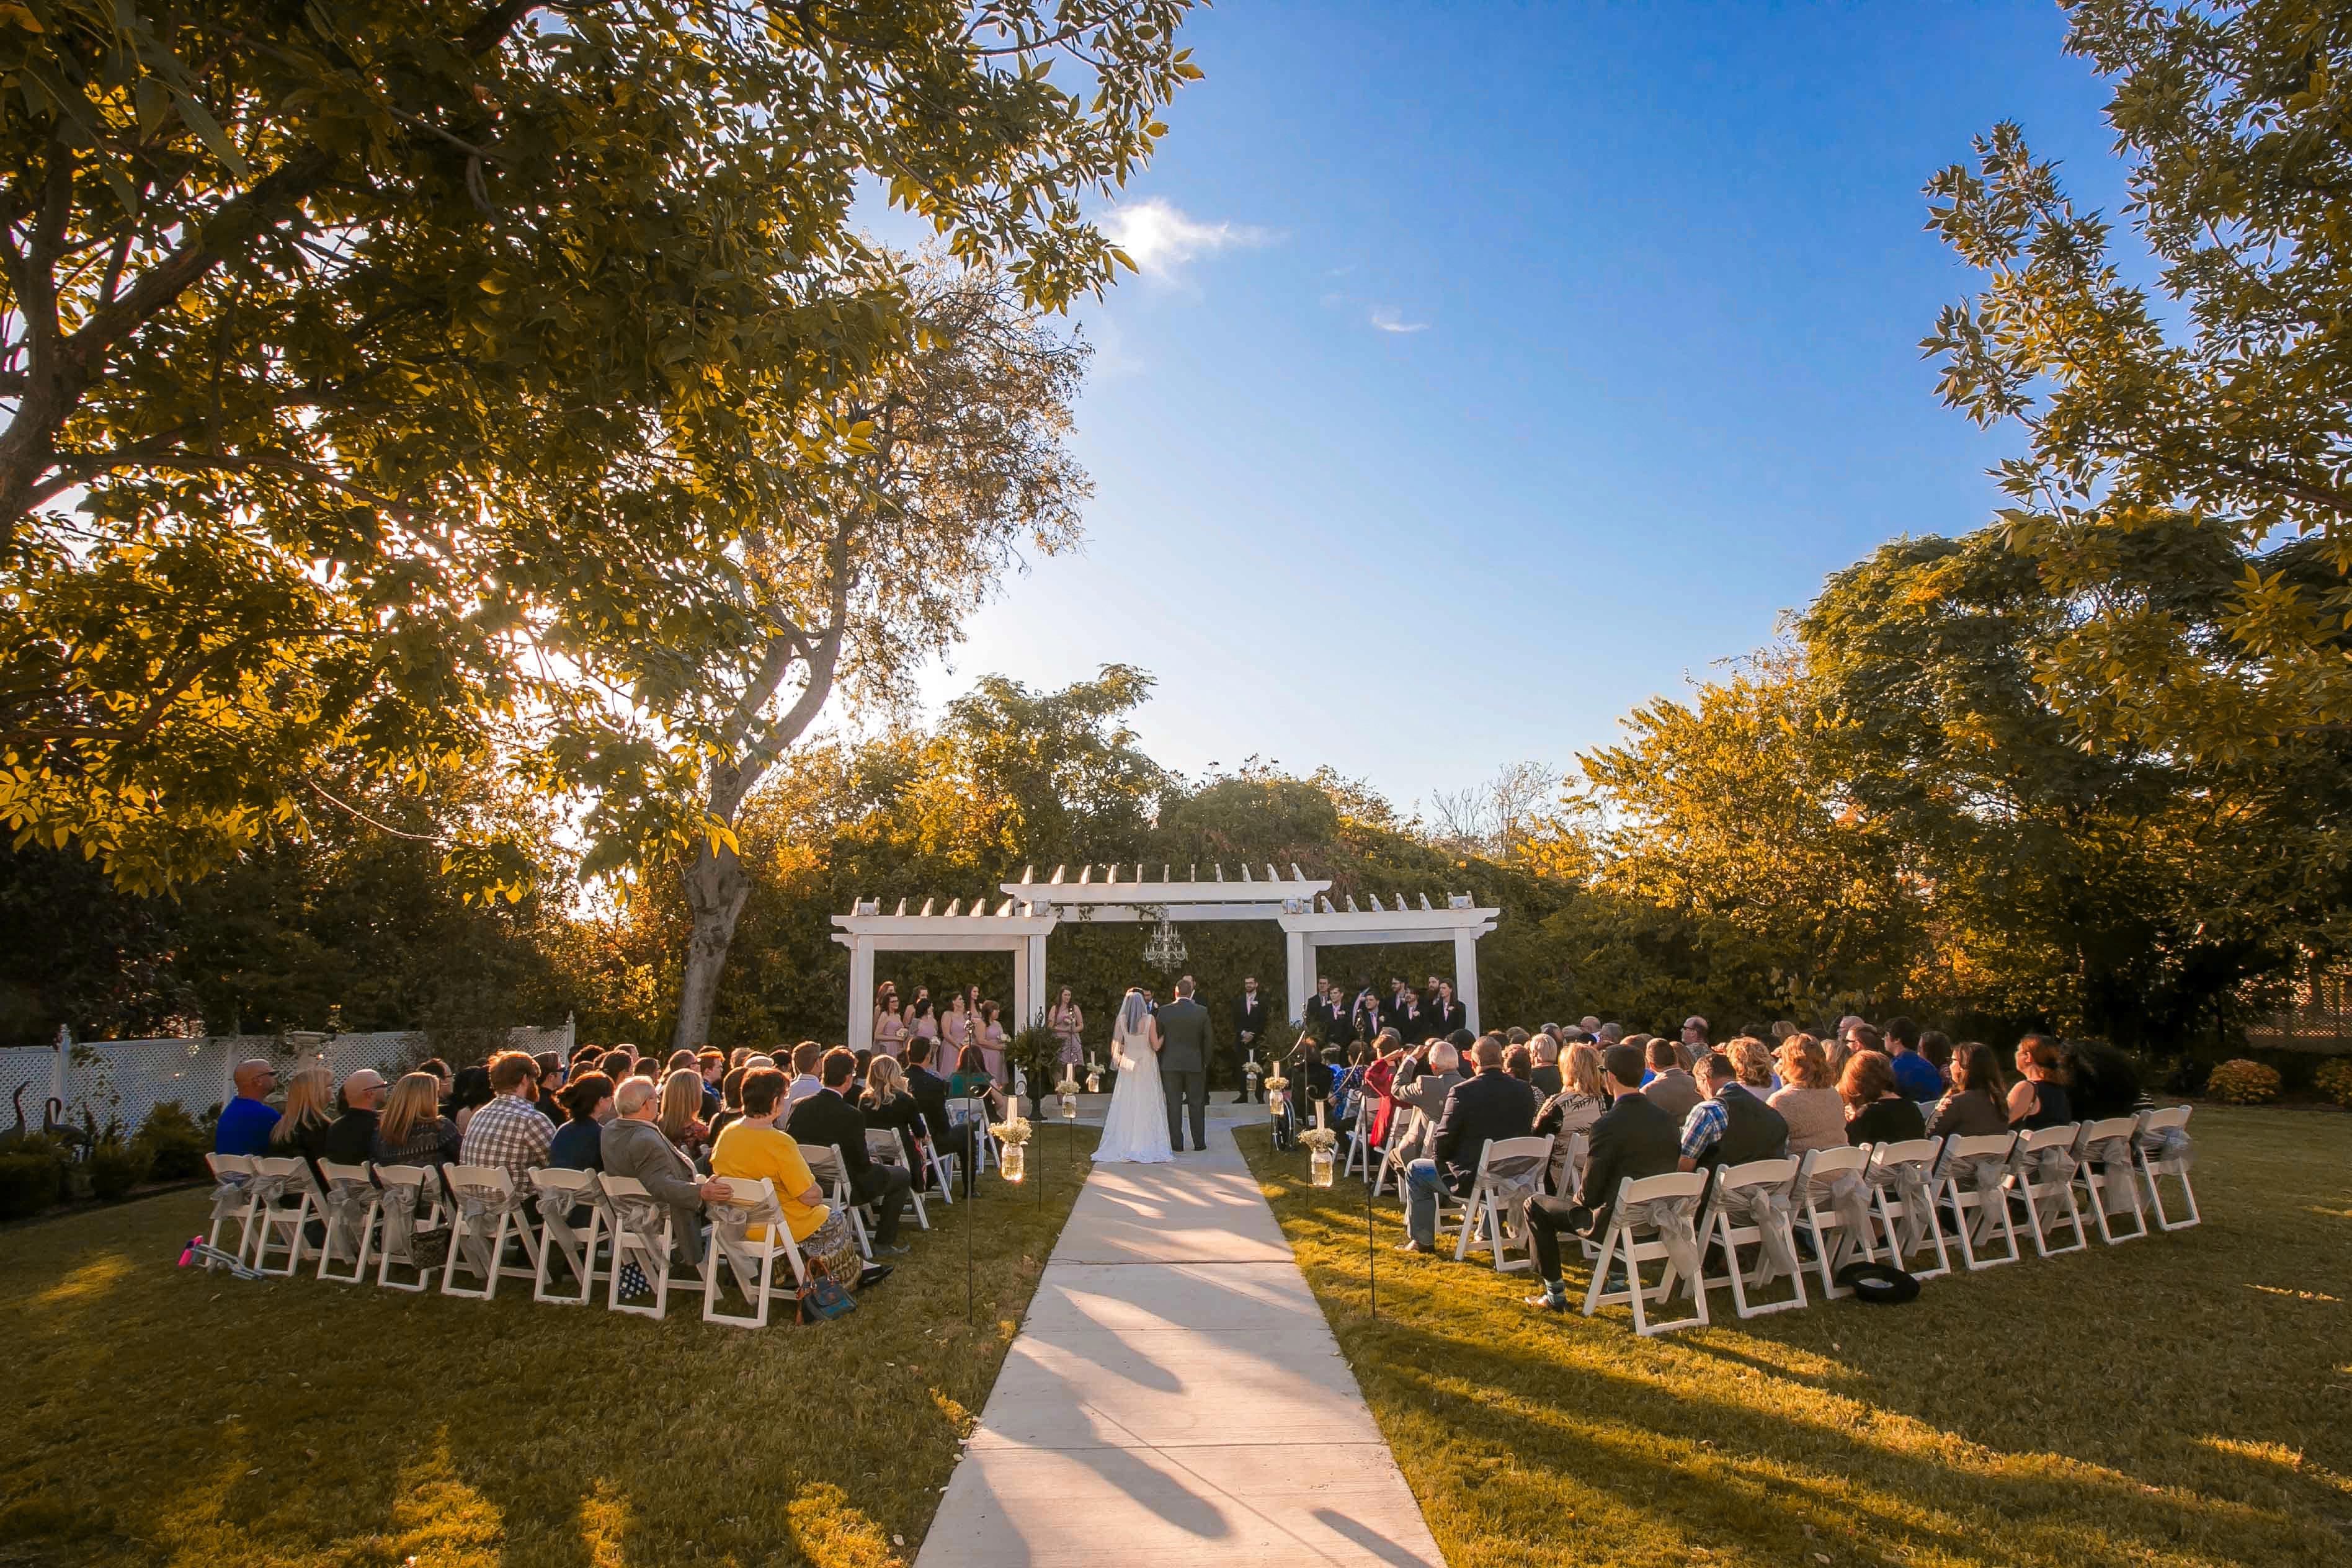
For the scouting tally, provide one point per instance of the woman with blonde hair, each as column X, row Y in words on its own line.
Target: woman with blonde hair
column 1579, row 1104
column 412, row 1130
column 1807, row 1100
column 310, row 1100
column 889, row 1106
column 1751, row 1058
column 680, row 1117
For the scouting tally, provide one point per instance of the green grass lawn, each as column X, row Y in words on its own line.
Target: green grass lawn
column 163, row 1416
column 2179, row 1400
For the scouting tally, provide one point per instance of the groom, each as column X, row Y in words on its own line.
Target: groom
column 1184, row 1065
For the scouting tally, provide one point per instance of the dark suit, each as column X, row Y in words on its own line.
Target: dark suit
column 1634, row 1138
column 1491, row 1106
column 930, row 1092
column 826, row 1118
column 1184, row 1049
column 1444, row 1017
column 1250, row 1016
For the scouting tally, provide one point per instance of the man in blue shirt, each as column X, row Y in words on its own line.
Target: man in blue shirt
column 246, row 1120
column 1915, row 1078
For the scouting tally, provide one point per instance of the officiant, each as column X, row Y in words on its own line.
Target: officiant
column 1249, row 1017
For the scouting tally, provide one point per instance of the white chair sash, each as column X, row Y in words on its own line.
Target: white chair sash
column 346, row 1204
column 2112, row 1159
column 399, row 1222
column 229, row 1197
column 271, row 1190
column 2169, row 1146
column 2053, row 1167
column 1510, row 1182
column 1677, row 1222
column 1765, row 1208
column 480, row 1209
column 1986, row 1178
column 1908, row 1179
column 1849, row 1199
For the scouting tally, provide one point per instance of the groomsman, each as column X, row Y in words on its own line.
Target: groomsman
column 1249, row 1023
column 1317, row 1017
column 1412, row 1021
column 1448, row 1015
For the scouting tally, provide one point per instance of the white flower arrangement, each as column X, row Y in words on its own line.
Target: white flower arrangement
column 1319, row 1138
column 1011, row 1130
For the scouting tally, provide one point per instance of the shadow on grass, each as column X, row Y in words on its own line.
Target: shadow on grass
column 2125, row 1405
column 170, row 1416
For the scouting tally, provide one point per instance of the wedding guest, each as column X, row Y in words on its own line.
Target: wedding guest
column 247, row 1120
column 412, row 1130
column 1491, row 1105
column 442, row 1076
column 1876, row 1111
column 1914, row 1074
column 731, row 1100
column 632, row 1146
column 1635, row 1138
column 2037, row 1099
column 972, row 1077
column 1520, row 1063
column 1732, row 1125
column 680, row 1117
column 1936, row 1047
column 2101, row 1081
column 1808, row 1099
column 1379, row 1086
column 1426, row 1095
column 713, row 1065
column 1574, row 1108
column 1547, row 1077
column 301, row 1128
column 826, row 1118
column 578, row 1144
column 1695, row 1037
column 754, row 1148
column 889, row 1106
column 806, row 1055
column 1976, row 1105
column 990, row 1038
column 510, row 1132
column 1751, row 1058
column 469, row 1092
column 1675, row 1089
column 350, row 1138
column 552, row 1072
column 931, row 1092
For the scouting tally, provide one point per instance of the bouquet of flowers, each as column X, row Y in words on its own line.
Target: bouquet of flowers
column 1319, row 1138
column 1014, row 1130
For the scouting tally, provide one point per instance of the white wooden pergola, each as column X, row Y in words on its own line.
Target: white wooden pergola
column 1019, row 916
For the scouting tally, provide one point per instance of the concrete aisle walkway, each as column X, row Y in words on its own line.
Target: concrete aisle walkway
column 1175, row 1392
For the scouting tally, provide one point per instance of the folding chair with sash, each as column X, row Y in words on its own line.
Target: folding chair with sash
column 832, row 1173
column 1832, row 1201
column 1360, row 1152
column 1572, row 1169
column 233, row 1200
column 1972, row 1176
column 1403, row 1131
column 2164, row 1149
column 1510, row 1171
column 2042, row 1172
column 642, row 1235
column 1902, row 1178
column 1749, row 1205
column 563, row 1194
column 751, row 1205
column 1665, row 1208
column 971, row 1111
column 411, row 1207
column 2109, row 1170
column 486, row 1208
column 942, row 1163
column 352, row 1204
column 888, row 1146
column 283, row 1192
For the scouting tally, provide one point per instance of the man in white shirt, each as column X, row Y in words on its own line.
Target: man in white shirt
column 806, row 1055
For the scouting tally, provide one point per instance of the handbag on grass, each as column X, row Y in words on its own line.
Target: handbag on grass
column 822, row 1298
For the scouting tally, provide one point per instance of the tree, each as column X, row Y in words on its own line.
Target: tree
column 383, row 386
column 945, row 462
column 2235, row 406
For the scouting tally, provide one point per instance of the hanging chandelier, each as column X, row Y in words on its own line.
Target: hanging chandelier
column 1165, row 951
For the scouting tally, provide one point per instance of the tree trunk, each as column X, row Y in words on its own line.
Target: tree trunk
column 716, row 886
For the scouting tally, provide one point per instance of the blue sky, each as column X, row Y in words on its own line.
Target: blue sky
column 1499, row 368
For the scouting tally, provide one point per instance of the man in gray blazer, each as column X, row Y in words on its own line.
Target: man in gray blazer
column 1427, row 1095
column 1183, row 1026
column 631, row 1145
column 1674, row 1091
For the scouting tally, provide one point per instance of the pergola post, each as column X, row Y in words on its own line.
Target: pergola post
column 861, row 994
column 1024, row 973
column 1466, row 976
column 1297, row 955
column 1033, row 961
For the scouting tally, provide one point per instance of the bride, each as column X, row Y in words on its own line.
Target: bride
column 1136, row 1128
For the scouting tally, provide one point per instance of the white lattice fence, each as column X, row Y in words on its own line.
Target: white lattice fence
column 34, row 1069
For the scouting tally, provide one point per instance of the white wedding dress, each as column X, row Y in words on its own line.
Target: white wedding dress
column 1136, row 1127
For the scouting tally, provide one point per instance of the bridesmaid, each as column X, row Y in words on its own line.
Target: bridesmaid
column 890, row 1027
column 956, row 1028
column 922, row 1025
column 1066, row 1021
column 991, row 1040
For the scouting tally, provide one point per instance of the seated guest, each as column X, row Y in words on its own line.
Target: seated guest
column 1936, row 1047
column 972, row 1078
column 1491, row 1105
column 551, row 1074
column 888, row 1107
column 930, row 1092
column 412, row 1130
column 1876, row 1111
column 1977, row 1103
column 1732, row 1125
column 828, row 1117
column 1519, row 1061
column 1425, row 1095
column 633, row 1146
column 753, row 1147
column 469, row 1092
column 442, row 1074
column 618, row 1063
column 1751, row 1058
column 714, row 1069
column 579, row 1144
column 510, row 1132
column 1546, row 1076
column 1634, row 1139
column 806, row 1055
column 1914, row 1074
column 1676, row 1092
column 350, row 1138
column 1572, row 1111
column 246, row 1121
column 680, row 1118
column 1807, row 1100
column 731, row 1100
column 301, row 1128
column 2037, row 1099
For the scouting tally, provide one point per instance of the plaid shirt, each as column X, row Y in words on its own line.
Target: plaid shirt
column 510, row 1132
column 1702, row 1132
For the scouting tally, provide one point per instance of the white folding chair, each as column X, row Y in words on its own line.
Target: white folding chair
column 1902, row 1177
column 233, row 1203
column 1359, row 1162
column 486, row 1208
column 352, row 1204
column 1836, row 1232
column 1973, row 1160
column 410, row 1205
column 2042, row 1172
column 2108, row 1169
column 1580, row 1150
column 1404, row 1133
column 1509, row 1169
column 943, row 1164
column 2161, row 1145
column 1770, row 1228
column 562, row 1194
column 284, row 1193
column 831, row 1173
column 971, row 1111
column 889, row 1146
column 642, row 1235
column 752, row 1204
column 1683, row 1189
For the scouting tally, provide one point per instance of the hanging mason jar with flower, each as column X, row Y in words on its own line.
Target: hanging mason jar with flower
column 1322, row 1148
column 1011, row 1135
column 1068, row 1090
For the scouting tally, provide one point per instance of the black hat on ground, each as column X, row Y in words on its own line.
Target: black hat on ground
column 1878, row 1284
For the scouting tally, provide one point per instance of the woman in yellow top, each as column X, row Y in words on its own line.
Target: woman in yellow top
column 753, row 1147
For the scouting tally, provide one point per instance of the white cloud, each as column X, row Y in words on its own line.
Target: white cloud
column 1161, row 238
column 1387, row 321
